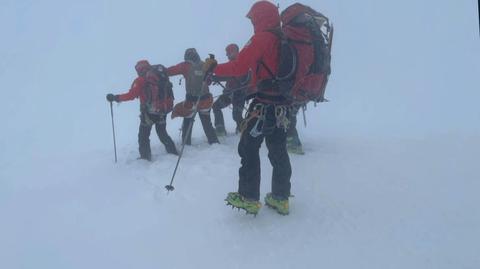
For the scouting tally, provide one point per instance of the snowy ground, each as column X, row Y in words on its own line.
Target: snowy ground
column 359, row 202
column 390, row 177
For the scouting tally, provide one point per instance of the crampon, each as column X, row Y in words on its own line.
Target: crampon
column 279, row 205
column 236, row 200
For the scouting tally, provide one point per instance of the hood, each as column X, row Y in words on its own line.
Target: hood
column 191, row 55
column 264, row 16
column 142, row 67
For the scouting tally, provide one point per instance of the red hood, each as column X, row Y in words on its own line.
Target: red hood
column 142, row 67
column 264, row 16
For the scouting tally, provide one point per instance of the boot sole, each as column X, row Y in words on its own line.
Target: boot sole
column 276, row 209
column 246, row 211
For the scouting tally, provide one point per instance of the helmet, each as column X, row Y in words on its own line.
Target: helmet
column 191, row 55
column 142, row 67
column 232, row 51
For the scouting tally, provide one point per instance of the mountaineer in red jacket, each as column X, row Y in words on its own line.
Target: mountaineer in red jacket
column 197, row 94
column 267, row 116
column 233, row 93
column 156, row 101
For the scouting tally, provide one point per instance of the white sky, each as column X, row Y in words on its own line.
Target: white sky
column 407, row 68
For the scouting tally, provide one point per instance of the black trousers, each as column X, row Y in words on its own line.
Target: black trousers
column 237, row 99
column 249, row 172
column 207, row 128
column 146, row 123
column 292, row 127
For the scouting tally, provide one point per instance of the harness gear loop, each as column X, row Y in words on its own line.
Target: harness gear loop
column 146, row 120
column 281, row 117
column 257, row 112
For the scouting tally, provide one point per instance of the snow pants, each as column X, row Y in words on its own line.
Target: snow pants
column 207, row 128
column 237, row 99
column 248, row 149
column 146, row 123
column 292, row 127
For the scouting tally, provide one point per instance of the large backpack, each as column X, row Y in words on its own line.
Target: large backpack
column 164, row 82
column 162, row 88
column 305, row 54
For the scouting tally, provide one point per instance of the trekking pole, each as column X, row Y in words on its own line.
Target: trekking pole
column 113, row 131
column 220, row 84
column 304, row 108
column 170, row 187
column 244, row 85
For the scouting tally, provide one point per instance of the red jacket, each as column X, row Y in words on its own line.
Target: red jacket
column 136, row 91
column 263, row 46
column 193, row 81
column 179, row 69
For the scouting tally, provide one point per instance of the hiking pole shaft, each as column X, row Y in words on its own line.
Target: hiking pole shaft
column 229, row 91
column 220, row 84
column 170, row 187
column 113, row 131
column 243, row 85
column 304, row 117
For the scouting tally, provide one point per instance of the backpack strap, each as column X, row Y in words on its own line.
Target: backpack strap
column 301, row 42
column 279, row 34
column 262, row 63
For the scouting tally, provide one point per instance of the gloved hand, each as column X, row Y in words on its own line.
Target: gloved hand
column 214, row 79
column 111, row 97
column 209, row 65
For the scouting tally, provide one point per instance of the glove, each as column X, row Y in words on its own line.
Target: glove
column 214, row 79
column 209, row 65
column 112, row 97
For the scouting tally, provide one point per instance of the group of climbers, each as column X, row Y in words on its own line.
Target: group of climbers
column 153, row 88
column 274, row 85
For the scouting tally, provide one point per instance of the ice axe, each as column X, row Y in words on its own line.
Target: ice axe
column 208, row 74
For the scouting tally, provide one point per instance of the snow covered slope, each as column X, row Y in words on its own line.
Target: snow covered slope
column 390, row 177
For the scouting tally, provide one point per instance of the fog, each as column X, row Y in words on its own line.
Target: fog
column 401, row 70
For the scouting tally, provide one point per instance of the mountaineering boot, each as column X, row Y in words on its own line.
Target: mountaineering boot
column 220, row 130
column 237, row 200
column 146, row 158
column 280, row 205
column 296, row 150
column 294, row 146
